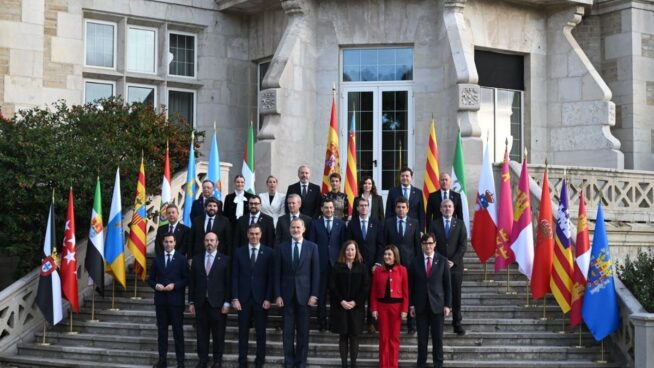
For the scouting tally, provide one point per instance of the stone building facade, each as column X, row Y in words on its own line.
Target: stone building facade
column 571, row 81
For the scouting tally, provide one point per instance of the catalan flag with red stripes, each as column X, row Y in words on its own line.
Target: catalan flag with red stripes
column 351, row 186
column 432, row 173
column 332, row 160
column 581, row 265
column 561, row 281
column 136, row 243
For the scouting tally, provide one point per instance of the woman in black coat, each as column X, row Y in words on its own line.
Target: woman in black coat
column 349, row 285
column 368, row 191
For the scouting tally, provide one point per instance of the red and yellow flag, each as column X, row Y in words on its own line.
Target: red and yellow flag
column 332, row 160
column 351, row 186
column 136, row 243
column 432, row 173
column 562, row 268
column 540, row 279
column 582, row 263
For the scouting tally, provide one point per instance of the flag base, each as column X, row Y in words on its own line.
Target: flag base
column 93, row 320
column 113, row 309
column 72, row 333
column 136, row 298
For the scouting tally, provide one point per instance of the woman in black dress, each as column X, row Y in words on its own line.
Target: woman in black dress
column 368, row 191
column 348, row 284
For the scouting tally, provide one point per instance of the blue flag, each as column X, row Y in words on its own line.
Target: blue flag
column 600, row 308
column 213, row 171
column 114, row 245
column 189, row 193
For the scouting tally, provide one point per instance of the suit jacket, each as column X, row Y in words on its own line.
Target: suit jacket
column 176, row 273
column 311, row 202
column 416, row 204
column 181, row 238
column 215, row 286
column 197, row 208
column 409, row 244
column 372, row 246
column 399, row 281
column 275, row 208
column 229, row 207
column 376, row 209
column 283, row 232
column 301, row 283
column 430, row 293
column 329, row 244
column 434, row 205
column 453, row 247
column 253, row 283
column 221, row 226
column 241, row 231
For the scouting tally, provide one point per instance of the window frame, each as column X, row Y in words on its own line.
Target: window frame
column 195, row 54
column 156, row 48
column 397, row 81
column 127, row 85
column 115, row 43
column 98, row 81
column 195, row 101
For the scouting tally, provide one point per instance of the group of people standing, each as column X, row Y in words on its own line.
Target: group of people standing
column 298, row 250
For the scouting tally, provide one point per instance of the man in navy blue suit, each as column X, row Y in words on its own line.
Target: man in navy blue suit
column 209, row 295
column 252, row 291
column 412, row 194
column 297, row 282
column 309, row 192
column 328, row 232
column 198, row 206
column 168, row 277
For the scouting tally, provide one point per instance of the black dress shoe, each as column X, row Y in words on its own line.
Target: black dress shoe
column 201, row 364
column 459, row 330
column 411, row 331
column 160, row 364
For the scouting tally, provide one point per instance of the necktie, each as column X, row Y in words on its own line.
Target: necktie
column 447, row 228
column 293, row 217
column 406, row 192
column 253, row 219
column 445, row 195
column 304, row 190
column 428, row 266
column 207, row 266
column 296, row 255
column 400, row 228
column 209, row 225
column 329, row 226
column 168, row 259
column 364, row 229
column 171, row 228
column 253, row 257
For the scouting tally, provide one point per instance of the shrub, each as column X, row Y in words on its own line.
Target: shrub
column 637, row 275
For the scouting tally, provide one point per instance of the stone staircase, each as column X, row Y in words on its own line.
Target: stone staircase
column 501, row 332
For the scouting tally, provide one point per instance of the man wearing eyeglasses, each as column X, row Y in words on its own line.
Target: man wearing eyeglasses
column 254, row 216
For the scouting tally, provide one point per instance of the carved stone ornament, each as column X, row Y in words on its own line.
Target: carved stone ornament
column 469, row 97
column 268, row 101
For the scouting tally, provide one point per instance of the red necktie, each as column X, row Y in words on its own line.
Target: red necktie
column 428, row 266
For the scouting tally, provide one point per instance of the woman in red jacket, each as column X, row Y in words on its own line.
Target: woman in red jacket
column 389, row 303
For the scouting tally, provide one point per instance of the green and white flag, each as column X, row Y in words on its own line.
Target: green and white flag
column 248, row 162
column 459, row 180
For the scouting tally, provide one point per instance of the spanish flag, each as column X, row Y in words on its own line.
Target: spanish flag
column 332, row 160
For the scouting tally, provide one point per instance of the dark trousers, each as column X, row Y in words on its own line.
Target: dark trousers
column 322, row 297
column 170, row 315
column 252, row 310
column 296, row 321
column 457, row 280
column 210, row 320
column 429, row 323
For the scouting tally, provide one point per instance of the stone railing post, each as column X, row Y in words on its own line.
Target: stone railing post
column 644, row 339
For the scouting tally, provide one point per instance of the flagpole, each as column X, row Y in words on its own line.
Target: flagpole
column 602, row 360
column 579, row 346
column 71, row 332
column 544, row 317
column 135, row 297
column 113, row 296
column 93, row 306
column 508, row 281
column 43, row 343
column 562, row 325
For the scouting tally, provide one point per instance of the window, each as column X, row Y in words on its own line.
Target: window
column 100, row 44
column 182, row 103
column 182, row 50
column 262, row 70
column 141, row 50
column 95, row 90
column 144, row 94
column 369, row 65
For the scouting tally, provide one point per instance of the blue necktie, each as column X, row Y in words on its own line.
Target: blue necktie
column 406, row 192
column 400, row 228
column 364, row 229
column 447, row 228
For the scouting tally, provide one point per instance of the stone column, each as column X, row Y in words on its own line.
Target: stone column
column 643, row 339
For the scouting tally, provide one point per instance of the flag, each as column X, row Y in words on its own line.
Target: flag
column 540, row 278
column 561, row 281
column 94, row 262
column 332, row 160
column 114, row 246
column 48, row 296
column 137, row 241
column 522, row 234
column 248, row 162
column 459, row 181
column 69, row 258
column 503, row 254
column 600, row 306
column 431, row 183
column 213, row 171
column 581, row 265
column 166, row 191
column 351, row 186
column 189, row 191
column 484, row 230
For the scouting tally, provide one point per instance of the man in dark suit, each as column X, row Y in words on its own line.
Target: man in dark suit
column 328, row 232
column 252, row 291
column 404, row 232
column 297, row 282
column 254, row 216
column 235, row 205
column 435, row 199
column 174, row 227
column 368, row 233
column 168, row 277
column 282, row 232
column 208, row 296
column 198, row 206
column 430, row 299
column 451, row 238
column 412, row 194
column 212, row 221
column 309, row 192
